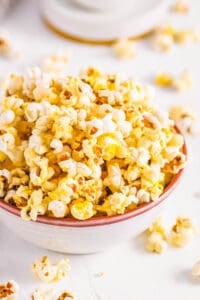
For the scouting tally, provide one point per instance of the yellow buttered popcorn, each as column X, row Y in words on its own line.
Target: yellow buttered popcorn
column 182, row 232
column 181, row 83
column 82, row 210
column 83, row 146
column 166, row 36
column 156, row 237
column 124, row 49
column 9, row 290
column 48, row 272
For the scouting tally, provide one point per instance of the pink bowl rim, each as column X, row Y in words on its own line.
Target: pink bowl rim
column 103, row 220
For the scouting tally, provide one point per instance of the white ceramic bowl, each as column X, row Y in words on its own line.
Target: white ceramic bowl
column 131, row 20
column 89, row 236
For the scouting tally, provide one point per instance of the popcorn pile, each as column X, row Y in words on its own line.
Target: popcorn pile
column 180, row 84
column 48, row 272
column 9, row 290
column 83, row 146
column 180, row 235
column 166, row 36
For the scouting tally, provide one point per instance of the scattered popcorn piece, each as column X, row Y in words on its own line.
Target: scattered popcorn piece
column 157, row 226
column 9, row 290
column 184, row 82
column 124, row 49
column 180, row 84
column 183, row 117
column 164, row 80
column 65, row 296
column 55, row 63
column 180, row 6
column 196, row 271
column 156, row 237
column 166, row 36
column 187, row 36
column 163, row 41
column 155, row 243
column 40, row 294
column 182, row 232
column 48, row 272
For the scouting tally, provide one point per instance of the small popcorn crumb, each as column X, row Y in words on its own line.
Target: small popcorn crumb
column 182, row 232
column 196, row 270
column 187, row 36
column 48, row 272
column 184, row 118
column 163, row 38
column 163, row 42
column 65, row 296
column 7, row 49
column 155, row 243
column 55, row 63
column 180, row 6
column 166, row 36
column 124, row 49
column 9, row 290
column 40, row 294
column 184, row 82
column 180, row 84
column 156, row 237
column 100, row 274
column 164, row 80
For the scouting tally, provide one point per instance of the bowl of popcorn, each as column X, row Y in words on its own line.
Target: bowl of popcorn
column 87, row 161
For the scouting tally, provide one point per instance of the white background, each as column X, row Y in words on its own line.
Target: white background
column 130, row 272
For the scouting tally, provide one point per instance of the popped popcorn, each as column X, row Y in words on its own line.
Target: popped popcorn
column 180, row 6
column 196, row 270
column 65, row 296
column 164, row 79
column 155, row 243
column 156, row 237
column 9, row 290
column 83, row 146
column 55, row 63
column 182, row 232
column 40, row 294
column 124, row 49
column 166, row 36
column 163, row 41
column 184, row 118
column 181, row 83
column 48, row 272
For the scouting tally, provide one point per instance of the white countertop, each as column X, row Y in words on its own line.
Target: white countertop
column 130, row 272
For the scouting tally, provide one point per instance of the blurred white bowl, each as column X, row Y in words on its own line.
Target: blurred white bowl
column 131, row 20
